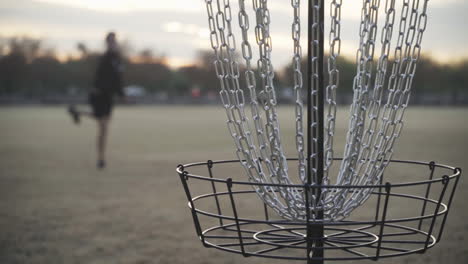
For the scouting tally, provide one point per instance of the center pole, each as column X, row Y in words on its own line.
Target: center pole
column 315, row 125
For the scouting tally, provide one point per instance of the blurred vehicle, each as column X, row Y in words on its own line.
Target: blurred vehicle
column 135, row 91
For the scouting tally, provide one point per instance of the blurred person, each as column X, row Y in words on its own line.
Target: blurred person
column 107, row 84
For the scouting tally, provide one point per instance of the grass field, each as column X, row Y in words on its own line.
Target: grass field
column 55, row 207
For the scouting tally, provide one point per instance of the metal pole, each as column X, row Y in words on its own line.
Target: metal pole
column 315, row 102
column 309, row 91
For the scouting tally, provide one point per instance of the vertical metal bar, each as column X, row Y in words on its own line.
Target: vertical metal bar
column 379, row 197
column 265, row 209
column 457, row 171
column 309, row 91
column 236, row 218
column 309, row 233
column 431, row 176
column 309, row 130
column 209, row 164
column 315, row 132
column 388, row 188
column 445, row 181
column 321, row 99
column 196, row 222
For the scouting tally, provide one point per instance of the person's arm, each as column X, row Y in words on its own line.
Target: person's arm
column 120, row 91
column 119, row 69
column 98, row 76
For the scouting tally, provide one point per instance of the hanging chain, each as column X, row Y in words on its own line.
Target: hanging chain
column 297, row 86
column 265, row 68
column 265, row 148
column 272, row 128
column 249, row 74
column 373, row 128
column 362, row 80
column 237, row 122
column 333, row 82
column 399, row 86
column 376, row 97
column 361, row 85
column 361, row 173
column 411, row 28
column 232, row 97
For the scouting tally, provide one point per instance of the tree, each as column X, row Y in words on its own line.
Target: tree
column 12, row 68
column 83, row 49
column 48, row 75
column 146, row 56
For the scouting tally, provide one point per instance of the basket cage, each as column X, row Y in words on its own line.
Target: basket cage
column 398, row 219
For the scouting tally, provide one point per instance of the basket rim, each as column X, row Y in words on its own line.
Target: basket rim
column 445, row 178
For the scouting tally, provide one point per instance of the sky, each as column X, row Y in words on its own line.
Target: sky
column 178, row 28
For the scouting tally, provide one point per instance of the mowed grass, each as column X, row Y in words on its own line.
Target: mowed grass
column 55, row 207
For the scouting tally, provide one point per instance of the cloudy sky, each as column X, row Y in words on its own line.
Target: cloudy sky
column 178, row 28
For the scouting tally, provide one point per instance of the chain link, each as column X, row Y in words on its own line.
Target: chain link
column 297, row 86
column 373, row 129
column 399, row 85
column 232, row 97
column 272, row 128
column 333, row 83
column 376, row 153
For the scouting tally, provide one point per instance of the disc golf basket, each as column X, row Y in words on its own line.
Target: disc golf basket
column 317, row 207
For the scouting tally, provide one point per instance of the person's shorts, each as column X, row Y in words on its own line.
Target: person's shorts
column 101, row 105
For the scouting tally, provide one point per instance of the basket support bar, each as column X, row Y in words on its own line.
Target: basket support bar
column 315, row 132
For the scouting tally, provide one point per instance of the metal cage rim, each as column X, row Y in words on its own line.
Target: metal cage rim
column 456, row 173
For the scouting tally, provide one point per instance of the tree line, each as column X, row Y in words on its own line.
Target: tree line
column 30, row 69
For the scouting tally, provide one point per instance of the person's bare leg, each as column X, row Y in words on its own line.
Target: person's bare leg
column 103, row 126
column 86, row 113
column 77, row 114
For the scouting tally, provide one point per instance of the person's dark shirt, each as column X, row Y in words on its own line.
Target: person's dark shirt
column 108, row 79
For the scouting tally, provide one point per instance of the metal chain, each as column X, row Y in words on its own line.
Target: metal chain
column 298, row 85
column 334, row 79
column 232, row 96
column 373, row 113
column 237, row 122
column 370, row 143
column 399, row 85
column 333, row 83
column 249, row 74
column 398, row 96
column 361, row 85
column 364, row 58
column 265, row 150
column 376, row 98
column 266, row 72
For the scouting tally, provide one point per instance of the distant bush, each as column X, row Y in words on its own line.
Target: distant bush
column 28, row 69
